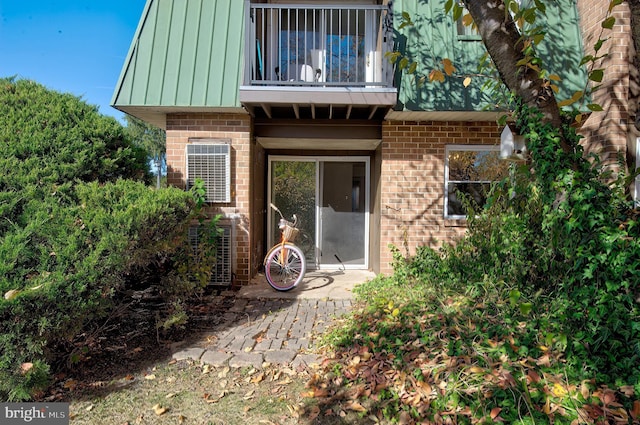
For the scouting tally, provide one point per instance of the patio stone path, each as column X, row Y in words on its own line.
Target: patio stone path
column 253, row 332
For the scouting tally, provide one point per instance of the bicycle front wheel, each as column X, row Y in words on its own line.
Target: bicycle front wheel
column 285, row 267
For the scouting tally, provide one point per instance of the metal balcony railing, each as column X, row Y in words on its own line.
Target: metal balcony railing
column 317, row 45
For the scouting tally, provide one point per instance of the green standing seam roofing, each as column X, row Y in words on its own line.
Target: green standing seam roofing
column 184, row 53
column 189, row 53
column 434, row 35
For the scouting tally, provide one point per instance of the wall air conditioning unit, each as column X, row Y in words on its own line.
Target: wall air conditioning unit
column 221, row 274
column 512, row 145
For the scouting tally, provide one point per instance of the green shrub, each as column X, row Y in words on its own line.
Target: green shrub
column 555, row 238
column 76, row 238
column 50, row 138
column 73, row 264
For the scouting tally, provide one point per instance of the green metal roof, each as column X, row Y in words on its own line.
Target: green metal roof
column 434, row 35
column 185, row 53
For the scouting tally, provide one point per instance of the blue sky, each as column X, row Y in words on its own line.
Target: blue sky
column 71, row 46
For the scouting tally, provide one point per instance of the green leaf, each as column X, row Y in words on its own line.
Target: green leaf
column 537, row 39
column 585, row 59
column 457, row 11
column 412, row 67
column 448, row 5
column 541, row 7
column 609, row 22
column 514, row 297
column 596, row 75
column 393, row 56
column 525, row 308
column 514, row 7
column 595, row 107
column 530, row 16
column 613, row 4
column 598, row 44
column 561, row 342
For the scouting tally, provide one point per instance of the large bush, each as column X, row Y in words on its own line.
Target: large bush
column 77, row 233
column 69, row 266
column 50, row 138
column 558, row 240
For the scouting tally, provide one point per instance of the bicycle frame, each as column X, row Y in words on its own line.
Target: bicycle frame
column 282, row 225
column 291, row 265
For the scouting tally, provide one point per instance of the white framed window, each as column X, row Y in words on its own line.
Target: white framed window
column 470, row 169
column 466, row 32
column 210, row 161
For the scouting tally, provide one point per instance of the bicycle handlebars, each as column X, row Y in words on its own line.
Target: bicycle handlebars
column 295, row 217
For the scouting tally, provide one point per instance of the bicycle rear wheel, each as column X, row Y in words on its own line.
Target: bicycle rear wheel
column 285, row 267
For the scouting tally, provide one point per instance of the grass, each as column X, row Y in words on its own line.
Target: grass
column 189, row 392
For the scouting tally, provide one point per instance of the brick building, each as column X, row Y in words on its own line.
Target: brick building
column 297, row 105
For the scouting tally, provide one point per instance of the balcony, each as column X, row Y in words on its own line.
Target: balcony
column 317, row 61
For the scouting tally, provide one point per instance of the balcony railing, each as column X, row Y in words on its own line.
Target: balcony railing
column 317, row 45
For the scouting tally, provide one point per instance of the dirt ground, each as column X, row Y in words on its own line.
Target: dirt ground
column 126, row 376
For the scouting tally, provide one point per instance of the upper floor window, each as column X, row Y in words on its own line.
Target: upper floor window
column 470, row 170
column 465, row 29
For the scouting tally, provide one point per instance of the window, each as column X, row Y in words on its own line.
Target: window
column 467, row 32
column 211, row 163
column 470, row 170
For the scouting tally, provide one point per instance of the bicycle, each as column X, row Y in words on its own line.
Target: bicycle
column 285, row 264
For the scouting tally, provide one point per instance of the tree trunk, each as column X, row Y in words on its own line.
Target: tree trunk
column 505, row 46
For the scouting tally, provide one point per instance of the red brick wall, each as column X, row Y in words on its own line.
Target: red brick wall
column 236, row 127
column 412, row 182
column 606, row 132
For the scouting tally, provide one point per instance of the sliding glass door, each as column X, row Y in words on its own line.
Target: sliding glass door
column 330, row 197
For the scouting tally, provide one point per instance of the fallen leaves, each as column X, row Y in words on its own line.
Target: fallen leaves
column 25, row 367
column 11, row 294
column 635, row 412
column 495, row 412
column 437, row 368
column 258, row 378
column 355, row 406
column 159, row 410
column 316, row 393
column 212, row 399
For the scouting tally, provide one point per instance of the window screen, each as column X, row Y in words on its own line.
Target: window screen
column 211, row 163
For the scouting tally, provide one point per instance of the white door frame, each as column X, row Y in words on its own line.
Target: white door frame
column 318, row 159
